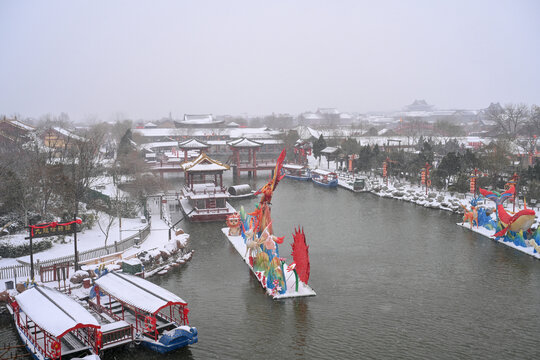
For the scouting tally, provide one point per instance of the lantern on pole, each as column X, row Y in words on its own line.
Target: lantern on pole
column 513, row 182
column 385, row 172
column 473, row 178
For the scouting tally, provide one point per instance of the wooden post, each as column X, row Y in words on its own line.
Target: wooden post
column 76, row 259
column 31, row 255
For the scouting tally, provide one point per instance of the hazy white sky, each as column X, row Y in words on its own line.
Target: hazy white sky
column 144, row 59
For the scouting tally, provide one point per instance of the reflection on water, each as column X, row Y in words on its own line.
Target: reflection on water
column 393, row 280
column 301, row 317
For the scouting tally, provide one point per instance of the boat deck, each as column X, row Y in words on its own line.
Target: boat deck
column 129, row 317
column 69, row 343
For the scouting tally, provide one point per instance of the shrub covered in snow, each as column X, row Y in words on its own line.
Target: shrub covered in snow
column 8, row 250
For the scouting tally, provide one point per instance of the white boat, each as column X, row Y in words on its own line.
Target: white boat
column 324, row 178
column 52, row 325
column 297, row 172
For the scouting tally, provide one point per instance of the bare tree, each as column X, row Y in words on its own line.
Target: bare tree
column 105, row 222
column 81, row 165
column 510, row 119
column 532, row 127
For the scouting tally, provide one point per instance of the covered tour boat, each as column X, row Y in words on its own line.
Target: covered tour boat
column 242, row 191
column 324, row 178
column 52, row 325
column 297, row 172
column 159, row 317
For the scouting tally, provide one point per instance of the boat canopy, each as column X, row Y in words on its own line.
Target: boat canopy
column 242, row 189
column 137, row 292
column 294, row 166
column 322, row 172
column 53, row 311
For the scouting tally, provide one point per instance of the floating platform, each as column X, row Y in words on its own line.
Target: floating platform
column 303, row 289
column 529, row 250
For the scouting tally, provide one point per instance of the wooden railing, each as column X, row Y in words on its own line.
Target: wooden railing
column 23, row 269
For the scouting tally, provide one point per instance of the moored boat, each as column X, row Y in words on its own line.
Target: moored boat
column 324, row 178
column 297, row 172
column 53, row 326
column 242, row 191
column 159, row 317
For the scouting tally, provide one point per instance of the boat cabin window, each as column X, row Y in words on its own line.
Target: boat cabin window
column 200, row 204
column 220, row 203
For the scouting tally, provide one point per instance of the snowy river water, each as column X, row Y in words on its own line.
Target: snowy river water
column 393, row 280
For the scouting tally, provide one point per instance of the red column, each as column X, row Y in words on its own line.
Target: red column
column 255, row 162
column 185, row 154
column 237, row 162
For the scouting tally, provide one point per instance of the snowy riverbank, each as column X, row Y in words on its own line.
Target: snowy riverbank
column 434, row 199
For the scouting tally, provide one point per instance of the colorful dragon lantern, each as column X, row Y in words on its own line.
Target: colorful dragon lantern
column 514, row 227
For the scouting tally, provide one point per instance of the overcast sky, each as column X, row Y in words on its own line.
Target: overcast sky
column 144, row 59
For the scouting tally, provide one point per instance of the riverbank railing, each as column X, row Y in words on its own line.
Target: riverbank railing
column 22, row 270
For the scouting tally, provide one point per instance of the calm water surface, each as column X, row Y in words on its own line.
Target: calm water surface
column 393, row 280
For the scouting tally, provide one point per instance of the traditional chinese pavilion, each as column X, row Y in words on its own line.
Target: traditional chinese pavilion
column 192, row 144
column 203, row 196
column 244, row 157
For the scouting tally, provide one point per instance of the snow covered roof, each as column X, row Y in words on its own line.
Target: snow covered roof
column 305, row 132
column 294, row 166
column 203, row 119
column 329, row 150
column 191, row 132
column 150, row 125
column 137, row 292
column 159, row 144
column 328, row 111
column 192, row 144
column 243, row 142
column 54, row 312
column 204, row 163
column 68, row 133
column 322, row 172
column 311, row 116
column 21, row 125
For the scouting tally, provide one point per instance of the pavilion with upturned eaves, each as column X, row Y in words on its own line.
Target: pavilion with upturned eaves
column 192, row 144
column 203, row 195
column 244, row 157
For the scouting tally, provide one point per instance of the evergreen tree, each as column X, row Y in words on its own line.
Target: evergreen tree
column 318, row 146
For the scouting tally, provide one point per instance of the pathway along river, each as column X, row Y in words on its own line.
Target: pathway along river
column 393, row 280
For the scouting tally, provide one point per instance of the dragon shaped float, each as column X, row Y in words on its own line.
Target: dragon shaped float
column 256, row 242
column 509, row 228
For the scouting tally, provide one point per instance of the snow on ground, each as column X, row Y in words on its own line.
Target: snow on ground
column 158, row 238
column 489, row 234
column 105, row 185
column 86, row 240
column 435, row 199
